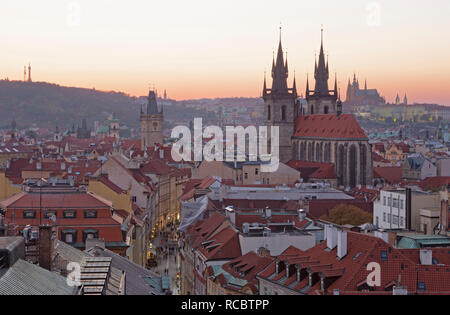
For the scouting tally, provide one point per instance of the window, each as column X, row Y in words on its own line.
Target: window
column 401, row 204
column 389, row 218
column 89, row 234
column 246, row 175
column 256, row 171
column 283, row 113
column 49, row 213
column 134, row 199
column 269, row 114
column 384, row 200
column 69, row 236
column 90, row 214
column 377, row 221
column 401, row 221
column 70, row 214
column 29, row 214
column 384, row 255
column 384, row 217
column 395, row 203
column 395, row 220
column 421, row 286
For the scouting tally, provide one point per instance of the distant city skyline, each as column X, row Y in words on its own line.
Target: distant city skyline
column 208, row 49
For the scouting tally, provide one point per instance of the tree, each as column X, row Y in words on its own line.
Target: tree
column 347, row 214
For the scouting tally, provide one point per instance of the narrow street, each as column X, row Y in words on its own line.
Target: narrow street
column 167, row 258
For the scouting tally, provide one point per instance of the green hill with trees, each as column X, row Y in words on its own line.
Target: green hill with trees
column 49, row 105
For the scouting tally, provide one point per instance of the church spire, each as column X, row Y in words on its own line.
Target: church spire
column 307, row 84
column 265, row 84
column 294, row 86
column 335, row 84
column 321, row 72
column 280, row 72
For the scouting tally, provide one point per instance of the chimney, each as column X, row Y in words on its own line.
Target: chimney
column 301, row 215
column 382, row 235
column 331, row 235
column 45, row 246
column 268, row 212
column 426, row 257
column 231, row 215
column 341, row 244
column 443, row 218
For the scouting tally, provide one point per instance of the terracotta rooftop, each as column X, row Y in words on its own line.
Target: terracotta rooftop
column 329, row 126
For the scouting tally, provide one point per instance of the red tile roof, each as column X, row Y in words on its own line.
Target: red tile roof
column 349, row 273
column 55, row 200
column 315, row 170
column 221, row 245
column 392, row 174
column 246, row 267
column 329, row 126
column 435, row 182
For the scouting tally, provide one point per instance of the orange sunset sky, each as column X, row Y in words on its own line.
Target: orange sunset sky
column 200, row 48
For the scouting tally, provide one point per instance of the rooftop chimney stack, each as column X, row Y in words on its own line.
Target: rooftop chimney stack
column 426, row 257
column 341, row 244
column 45, row 246
column 301, row 215
column 331, row 237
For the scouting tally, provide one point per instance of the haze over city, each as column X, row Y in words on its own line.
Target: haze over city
column 211, row 49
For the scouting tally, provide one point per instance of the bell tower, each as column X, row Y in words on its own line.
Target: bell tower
column 280, row 104
column 151, row 123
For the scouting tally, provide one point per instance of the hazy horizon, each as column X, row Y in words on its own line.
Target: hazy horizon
column 206, row 49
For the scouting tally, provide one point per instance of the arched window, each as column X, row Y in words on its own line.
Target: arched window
column 353, row 162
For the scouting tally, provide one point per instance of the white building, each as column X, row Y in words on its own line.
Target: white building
column 390, row 211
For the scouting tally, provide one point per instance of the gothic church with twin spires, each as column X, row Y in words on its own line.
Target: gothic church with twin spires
column 318, row 132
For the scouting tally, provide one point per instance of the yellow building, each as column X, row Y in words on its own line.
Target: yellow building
column 7, row 187
column 136, row 228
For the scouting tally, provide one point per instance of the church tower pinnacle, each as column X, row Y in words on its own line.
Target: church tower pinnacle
column 321, row 100
column 280, row 107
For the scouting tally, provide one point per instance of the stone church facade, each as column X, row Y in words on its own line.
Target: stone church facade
column 319, row 132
